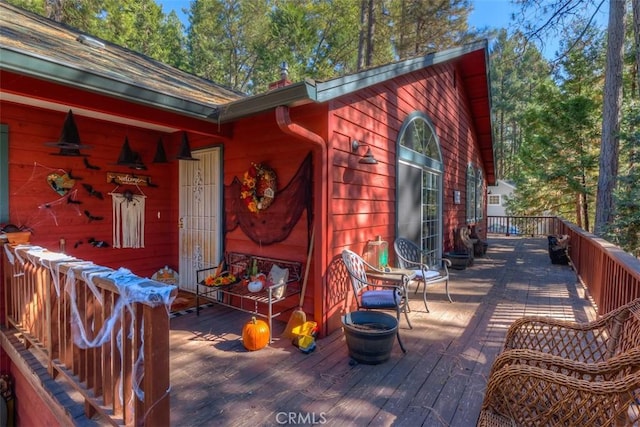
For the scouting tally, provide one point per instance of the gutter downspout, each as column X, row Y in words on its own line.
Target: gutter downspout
column 283, row 119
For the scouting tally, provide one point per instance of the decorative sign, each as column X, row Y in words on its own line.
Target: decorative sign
column 127, row 178
column 60, row 183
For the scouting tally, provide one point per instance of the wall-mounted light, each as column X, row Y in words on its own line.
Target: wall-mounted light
column 368, row 158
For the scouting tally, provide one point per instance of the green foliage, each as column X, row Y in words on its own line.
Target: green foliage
column 420, row 26
column 625, row 230
column 558, row 158
column 517, row 71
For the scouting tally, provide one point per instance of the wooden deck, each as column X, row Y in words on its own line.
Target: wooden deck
column 440, row 381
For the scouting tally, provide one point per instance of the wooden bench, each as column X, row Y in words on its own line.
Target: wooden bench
column 270, row 302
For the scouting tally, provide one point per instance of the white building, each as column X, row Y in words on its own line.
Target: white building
column 497, row 197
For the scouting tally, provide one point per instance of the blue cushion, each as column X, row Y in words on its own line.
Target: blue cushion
column 379, row 299
column 428, row 274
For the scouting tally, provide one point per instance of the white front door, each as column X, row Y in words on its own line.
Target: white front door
column 201, row 214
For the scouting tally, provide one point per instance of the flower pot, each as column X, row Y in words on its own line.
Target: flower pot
column 18, row 237
column 459, row 261
column 369, row 335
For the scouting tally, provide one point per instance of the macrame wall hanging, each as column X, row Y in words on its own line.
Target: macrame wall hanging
column 272, row 225
column 128, row 219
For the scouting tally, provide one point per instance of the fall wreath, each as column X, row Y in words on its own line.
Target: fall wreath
column 258, row 187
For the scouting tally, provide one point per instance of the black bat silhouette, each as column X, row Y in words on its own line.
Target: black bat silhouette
column 93, row 218
column 92, row 192
column 98, row 243
column 77, row 178
column 89, row 165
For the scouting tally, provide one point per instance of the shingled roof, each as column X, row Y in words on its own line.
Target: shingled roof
column 34, row 45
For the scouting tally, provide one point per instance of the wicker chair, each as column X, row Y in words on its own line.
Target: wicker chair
column 528, row 387
column 410, row 257
column 555, row 372
column 613, row 333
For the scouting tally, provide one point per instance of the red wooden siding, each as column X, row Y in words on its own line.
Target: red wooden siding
column 363, row 196
column 30, row 161
column 260, row 140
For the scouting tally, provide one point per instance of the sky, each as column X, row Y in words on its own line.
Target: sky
column 490, row 13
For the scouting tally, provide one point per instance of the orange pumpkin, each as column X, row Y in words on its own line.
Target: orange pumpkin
column 255, row 334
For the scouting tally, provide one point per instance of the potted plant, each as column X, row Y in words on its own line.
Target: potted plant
column 16, row 235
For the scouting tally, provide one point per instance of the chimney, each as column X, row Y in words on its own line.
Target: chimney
column 284, row 81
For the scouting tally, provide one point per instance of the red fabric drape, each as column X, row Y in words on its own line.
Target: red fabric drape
column 274, row 224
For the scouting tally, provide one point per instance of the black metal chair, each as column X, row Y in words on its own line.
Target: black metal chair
column 428, row 272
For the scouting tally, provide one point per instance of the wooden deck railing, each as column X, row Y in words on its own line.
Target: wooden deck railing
column 523, row 225
column 611, row 275
column 104, row 331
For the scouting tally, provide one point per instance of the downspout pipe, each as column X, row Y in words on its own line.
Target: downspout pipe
column 283, row 119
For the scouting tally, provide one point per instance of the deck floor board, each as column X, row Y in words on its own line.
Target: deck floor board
column 440, row 381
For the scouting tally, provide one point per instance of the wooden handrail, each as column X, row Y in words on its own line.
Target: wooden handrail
column 523, row 225
column 611, row 275
column 107, row 333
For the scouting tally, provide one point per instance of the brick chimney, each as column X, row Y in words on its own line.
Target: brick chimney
column 284, row 81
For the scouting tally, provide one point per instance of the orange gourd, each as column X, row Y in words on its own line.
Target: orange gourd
column 255, row 334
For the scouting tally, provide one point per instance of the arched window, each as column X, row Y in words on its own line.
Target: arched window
column 419, row 184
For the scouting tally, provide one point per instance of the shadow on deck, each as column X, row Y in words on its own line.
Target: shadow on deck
column 440, row 381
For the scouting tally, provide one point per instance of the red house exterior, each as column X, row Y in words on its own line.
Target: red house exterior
column 427, row 122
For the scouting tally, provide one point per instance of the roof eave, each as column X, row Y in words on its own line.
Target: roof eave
column 294, row 94
column 69, row 75
column 312, row 91
column 340, row 86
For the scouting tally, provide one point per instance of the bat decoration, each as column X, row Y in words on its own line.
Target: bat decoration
column 78, row 243
column 71, row 201
column 92, row 192
column 93, row 218
column 73, row 177
column 150, row 184
column 98, row 243
column 89, row 165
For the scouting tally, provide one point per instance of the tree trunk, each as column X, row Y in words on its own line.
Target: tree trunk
column 371, row 21
column 585, row 203
column 636, row 38
column 578, row 210
column 611, row 114
column 362, row 41
column 53, row 10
